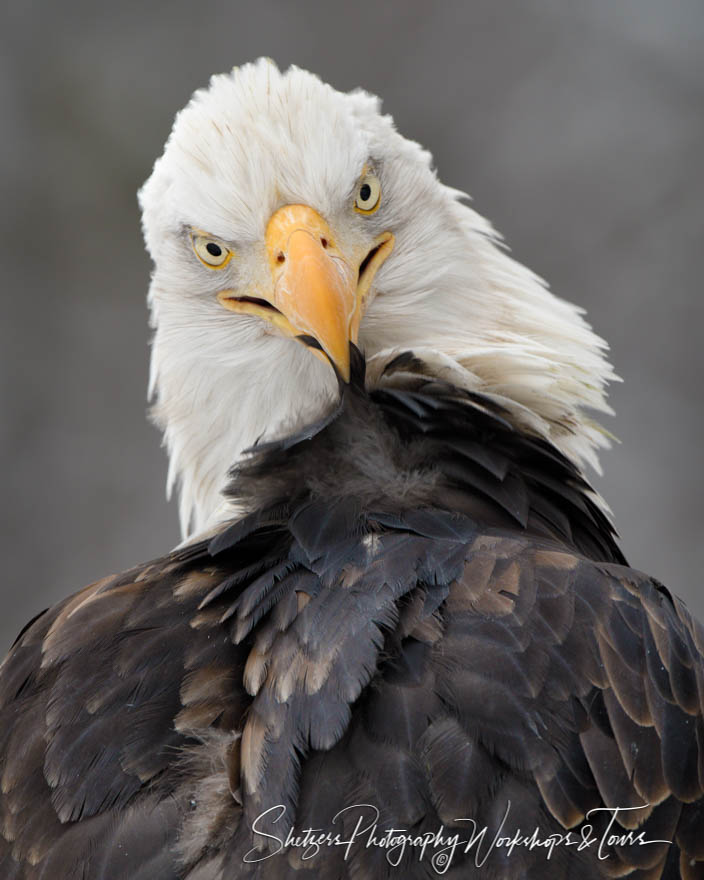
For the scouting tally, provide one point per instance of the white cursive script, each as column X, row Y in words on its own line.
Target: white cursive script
column 439, row 847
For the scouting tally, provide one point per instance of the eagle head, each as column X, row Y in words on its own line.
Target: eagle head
column 287, row 220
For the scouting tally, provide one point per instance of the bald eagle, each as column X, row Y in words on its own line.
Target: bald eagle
column 399, row 638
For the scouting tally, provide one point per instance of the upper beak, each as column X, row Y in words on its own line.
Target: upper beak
column 318, row 293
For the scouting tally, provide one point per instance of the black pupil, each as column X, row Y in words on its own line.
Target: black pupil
column 213, row 249
column 365, row 192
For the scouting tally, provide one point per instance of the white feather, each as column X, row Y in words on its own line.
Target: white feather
column 257, row 139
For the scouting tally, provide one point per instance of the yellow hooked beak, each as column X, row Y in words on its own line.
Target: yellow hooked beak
column 318, row 293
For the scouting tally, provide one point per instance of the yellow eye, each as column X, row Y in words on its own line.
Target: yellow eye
column 368, row 196
column 211, row 252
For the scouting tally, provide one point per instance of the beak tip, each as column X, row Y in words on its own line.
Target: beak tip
column 339, row 364
column 341, row 368
column 351, row 371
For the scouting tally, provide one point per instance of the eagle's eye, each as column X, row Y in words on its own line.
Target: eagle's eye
column 211, row 252
column 368, row 195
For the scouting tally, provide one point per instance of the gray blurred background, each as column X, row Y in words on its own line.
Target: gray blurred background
column 577, row 127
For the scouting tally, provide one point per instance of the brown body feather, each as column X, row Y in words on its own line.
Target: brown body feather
column 423, row 612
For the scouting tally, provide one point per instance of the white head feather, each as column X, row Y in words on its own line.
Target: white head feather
column 258, row 139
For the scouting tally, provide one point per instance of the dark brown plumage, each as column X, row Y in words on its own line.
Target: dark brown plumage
column 422, row 610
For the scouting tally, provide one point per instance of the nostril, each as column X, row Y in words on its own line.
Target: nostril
column 280, row 258
column 324, row 242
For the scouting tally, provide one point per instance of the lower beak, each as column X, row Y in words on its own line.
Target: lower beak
column 319, row 293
